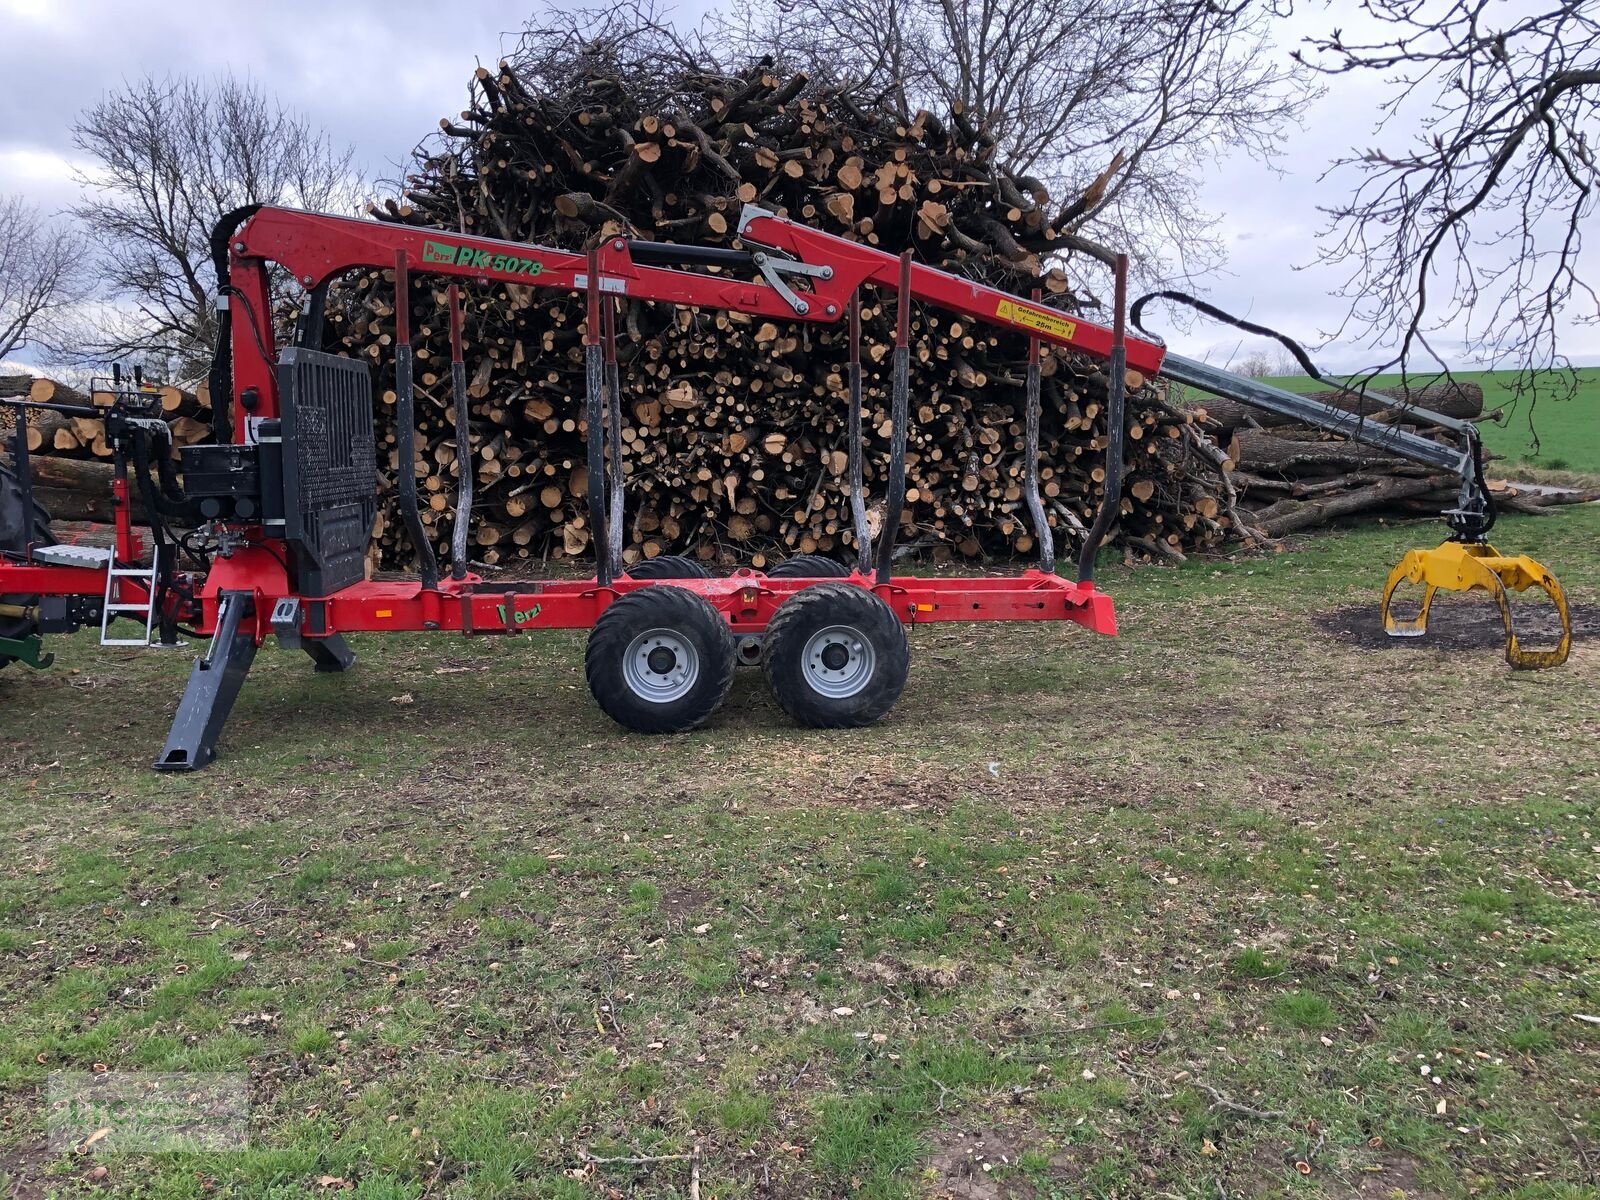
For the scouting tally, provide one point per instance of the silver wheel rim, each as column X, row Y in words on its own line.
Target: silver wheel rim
column 839, row 661
column 660, row 665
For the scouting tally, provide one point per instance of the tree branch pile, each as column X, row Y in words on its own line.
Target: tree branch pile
column 735, row 428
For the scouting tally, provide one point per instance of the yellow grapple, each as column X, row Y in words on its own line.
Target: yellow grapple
column 1477, row 566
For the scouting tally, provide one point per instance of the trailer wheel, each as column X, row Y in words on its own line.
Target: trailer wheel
column 660, row 660
column 836, row 656
column 809, row 566
column 667, row 566
column 17, row 528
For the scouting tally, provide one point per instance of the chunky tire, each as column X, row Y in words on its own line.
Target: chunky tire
column 660, row 660
column 667, row 566
column 836, row 656
column 809, row 566
column 17, row 528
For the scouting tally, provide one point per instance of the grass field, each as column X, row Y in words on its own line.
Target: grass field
column 1568, row 430
column 1223, row 907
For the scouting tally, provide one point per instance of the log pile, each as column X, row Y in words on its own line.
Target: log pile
column 1289, row 477
column 58, row 435
column 71, row 459
column 734, row 428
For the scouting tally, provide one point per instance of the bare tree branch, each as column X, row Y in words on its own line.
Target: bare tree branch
column 41, row 276
column 1474, row 224
column 173, row 155
column 1117, row 105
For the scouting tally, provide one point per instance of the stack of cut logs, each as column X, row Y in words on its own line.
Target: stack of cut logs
column 1289, row 477
column 72, row 471
column 735, row 428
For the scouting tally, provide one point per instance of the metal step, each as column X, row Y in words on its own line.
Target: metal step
column 73, row 556
column 111, row 607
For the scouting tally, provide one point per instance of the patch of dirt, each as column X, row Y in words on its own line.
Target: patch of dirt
column 23, row 1170
column 681, row 901
column 935, row 791
column 981, row 1164
column 1392, row 1177
column 1460, row 623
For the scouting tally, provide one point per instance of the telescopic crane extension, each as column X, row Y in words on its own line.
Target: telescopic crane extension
column 284, row 502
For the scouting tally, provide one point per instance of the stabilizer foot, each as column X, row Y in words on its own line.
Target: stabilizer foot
column 331, row 654
column 214, row 685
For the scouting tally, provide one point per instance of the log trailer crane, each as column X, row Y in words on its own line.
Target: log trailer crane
column 280, row 509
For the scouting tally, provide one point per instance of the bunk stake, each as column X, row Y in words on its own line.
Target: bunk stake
column 899, row 417
column 464, row 461
column 406, row 419
column 594, row 413
column 1116, row 428
column 858, row 503
column 614, row 479
column 1041, row 524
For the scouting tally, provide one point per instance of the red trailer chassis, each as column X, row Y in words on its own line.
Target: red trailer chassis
column 262, row 582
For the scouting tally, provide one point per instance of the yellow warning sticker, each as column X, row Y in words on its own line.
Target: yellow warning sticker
column 1028, row 317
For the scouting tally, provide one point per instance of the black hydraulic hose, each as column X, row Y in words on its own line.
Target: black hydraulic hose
column 594, row 373
column 220, row 377
column 1490, row 512
column 594, row 370
column 1116, row 421
column 614, row 483
column 1041, row 523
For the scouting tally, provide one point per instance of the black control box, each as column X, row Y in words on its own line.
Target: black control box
column 223, row 482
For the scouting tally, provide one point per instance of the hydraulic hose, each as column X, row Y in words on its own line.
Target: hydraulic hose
column 220, row 377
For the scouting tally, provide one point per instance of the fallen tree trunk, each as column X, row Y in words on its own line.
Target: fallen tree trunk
column 68, row 504
column 1290, row 516
column 1463, row 401
column 1262, row 453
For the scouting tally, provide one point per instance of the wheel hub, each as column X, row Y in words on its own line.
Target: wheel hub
column 839, row 661
column 660, row 665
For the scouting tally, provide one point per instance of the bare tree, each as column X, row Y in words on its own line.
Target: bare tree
column 1116, row 106
column 41, row 276
column 1473, row 224
column 172, row 156
column 1256, row 366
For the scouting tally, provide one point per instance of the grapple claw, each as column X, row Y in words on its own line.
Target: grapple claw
column 1472, row 566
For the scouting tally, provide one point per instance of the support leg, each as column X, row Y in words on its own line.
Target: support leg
column 214, row 685
column 331, row 654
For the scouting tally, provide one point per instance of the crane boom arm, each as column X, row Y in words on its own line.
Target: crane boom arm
column 786, row 271
column 1311, row 411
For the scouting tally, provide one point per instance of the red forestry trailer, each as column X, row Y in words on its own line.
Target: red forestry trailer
column 278, row 514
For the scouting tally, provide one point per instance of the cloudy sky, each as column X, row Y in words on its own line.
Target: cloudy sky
column 379, row 73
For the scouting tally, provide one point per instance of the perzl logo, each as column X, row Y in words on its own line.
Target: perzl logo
column 480, row 260
column 520, row 617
